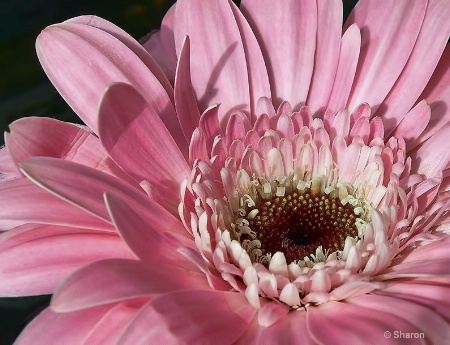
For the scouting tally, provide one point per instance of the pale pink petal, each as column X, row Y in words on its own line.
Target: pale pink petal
column 431, row 158
column 413, row 269
column 431, row 295
column 115, row 280
column 81, row 61
column 224, row 63
column 40, row 136
column 420, row 66
column 185, row 101
column 191, row 317
column 113, row 323
column 209, row 124
column 144, row 232
column 23, row 202
column 346, row 69
column 287, row 35
column 291, row 329
column 329, row 29
column 435, row 329
column 384, row 52
column 35, row 261
column 431, row 251
column 161, row 45
column 413, row 124
column 343, row 323
column 272, row 312
column 130, row 42
column 258, row 79
column 55, row 328
column 133, row 134
column 437, row 94
column 78, row 184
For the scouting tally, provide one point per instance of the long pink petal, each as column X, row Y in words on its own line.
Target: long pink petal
column 161, row 45
column 138, row 141
column 413, row 124
column 78, row 184
column 420, row 66
column 291, row 328
column 258, row 79
column 55, row 328
column 191, row 317
column 113, row 323
column 435, row 329
column 144, row 233
column 185, row 101
column 384, row 52
column 437, row 94
column 130, row 42
column 115, row 280
column 82, row 61
column 343, row 323
column 23, row 202
column 346, row 69
column 287, row 35
column 35, row 259
column 40, row 136
column 329, row 29
column 432, row 157
column 215, row 63
column 423, row 268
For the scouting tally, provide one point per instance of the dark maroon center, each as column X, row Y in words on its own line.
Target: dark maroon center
column 297, row 224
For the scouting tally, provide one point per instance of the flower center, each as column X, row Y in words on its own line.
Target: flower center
column 300, row 218
column 297, row 223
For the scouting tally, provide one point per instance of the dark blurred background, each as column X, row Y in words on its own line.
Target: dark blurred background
column 26, row 91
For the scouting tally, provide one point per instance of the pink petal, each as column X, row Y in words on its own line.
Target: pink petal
column 130, row 42
column 413, row 124
column 420, row 66
column 144, row 232
column 424, row 268
column 189, row 317
column 35, row 259
column 161, row 45
column 287, row 35
column 185, row 101
column 435, row 329
column 214, row 62
column 115, row 280
column 291, row 329
column 112, row 324
column 271, row 312
column 38, row 136
column 345, row 74
column 432, row 157
column 22, row 202
column 329, row 29
column 258, row 78
column 343, row 323
column 78, row 184
column 54, row 328
column 138, row 141
column 81, row 61
column 437, row 94
column 384, row 52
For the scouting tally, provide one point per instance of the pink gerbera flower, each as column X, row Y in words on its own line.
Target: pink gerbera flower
column 263, row 176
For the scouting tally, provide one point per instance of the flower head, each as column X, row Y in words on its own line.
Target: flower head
column 246, row 182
